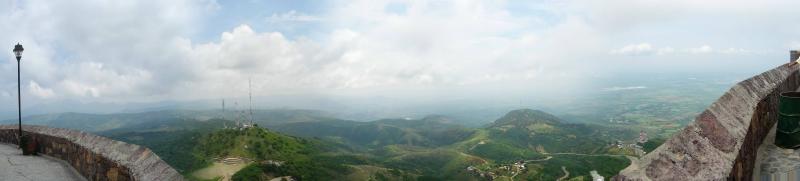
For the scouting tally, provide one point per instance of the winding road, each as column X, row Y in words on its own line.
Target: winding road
column 580, row 154
column 566, row 173
column 543, row 159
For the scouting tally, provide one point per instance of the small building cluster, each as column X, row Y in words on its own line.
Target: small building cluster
column 513, row 169
column 636, row 146
column 519, row 165
column 642, row 137
column 619, row 121
column 272, row 162
column 479, row 173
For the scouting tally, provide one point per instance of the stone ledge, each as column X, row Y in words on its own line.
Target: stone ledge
column 722, row 142
column 96, row 157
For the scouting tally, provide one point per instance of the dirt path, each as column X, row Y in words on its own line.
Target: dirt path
column 512, row 177
column 543, row 159
column 581, row 154
column 566, row 174
column 473, row 156
column 476, row 145
column 634, row 164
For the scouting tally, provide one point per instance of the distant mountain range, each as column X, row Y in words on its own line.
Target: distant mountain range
column 428, row 132
column 106, row 122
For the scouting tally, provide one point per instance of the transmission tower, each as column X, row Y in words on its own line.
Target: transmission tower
column 250, row 94
column 224, row 123
column 236, row 105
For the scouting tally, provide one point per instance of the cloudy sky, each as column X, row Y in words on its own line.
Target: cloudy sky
column 155, row 50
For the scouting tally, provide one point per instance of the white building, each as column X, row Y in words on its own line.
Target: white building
column 596, row 176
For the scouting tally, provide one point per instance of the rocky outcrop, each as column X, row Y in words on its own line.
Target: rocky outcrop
column 722, row 142
column 96, row 157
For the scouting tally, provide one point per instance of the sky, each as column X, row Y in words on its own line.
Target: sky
column 181, row 50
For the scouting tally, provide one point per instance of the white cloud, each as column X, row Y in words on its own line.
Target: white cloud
column 427, row 46
column 145, row 51
column 80, row 89
column 735, row 51
column 701, row 49
column 123, row 50
column 634, row 49
column 648, row 49
column 452, row 43
column 665, row 51
column 275, row 63
column 39, row 91
column 292, row 16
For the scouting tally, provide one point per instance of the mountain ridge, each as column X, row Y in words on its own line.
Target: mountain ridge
column 526, row 116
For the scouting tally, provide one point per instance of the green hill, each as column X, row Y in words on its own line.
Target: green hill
column 544, row 133
column 306, row 159
column 253, row 143
column 524, row 117
column 171, row 140
column 535, row 135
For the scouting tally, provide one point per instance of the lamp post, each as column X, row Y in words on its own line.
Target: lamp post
column 18, row 53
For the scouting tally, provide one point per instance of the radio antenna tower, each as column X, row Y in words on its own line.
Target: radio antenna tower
column 236, row 104
column 250, row 94
column 224, row 123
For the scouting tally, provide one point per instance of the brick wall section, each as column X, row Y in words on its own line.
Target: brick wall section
column 722, row 142
column 96, row 157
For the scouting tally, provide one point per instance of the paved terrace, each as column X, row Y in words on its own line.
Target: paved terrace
column 15, row 166
column 93, row 157
column 777, row 163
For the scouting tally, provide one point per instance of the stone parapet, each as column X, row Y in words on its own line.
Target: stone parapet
column 722, row 142
column 96, row 157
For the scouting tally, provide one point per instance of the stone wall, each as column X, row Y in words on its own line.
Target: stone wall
column 96, row 157
column 722, row 142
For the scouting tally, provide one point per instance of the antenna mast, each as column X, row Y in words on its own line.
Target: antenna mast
column 250, row 92
column 224, row 124
column 238, row 124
